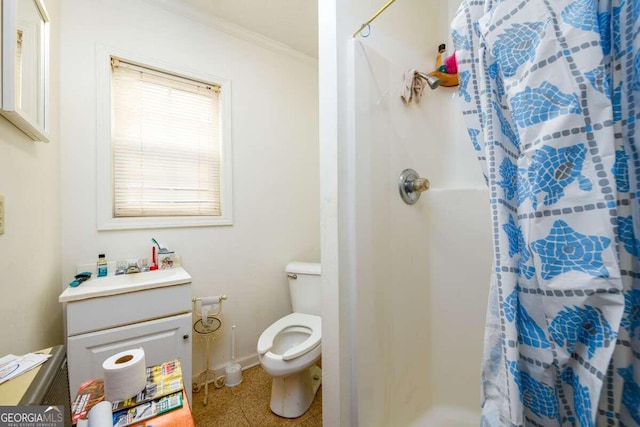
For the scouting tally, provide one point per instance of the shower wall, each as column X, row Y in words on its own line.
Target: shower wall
column 421, row 272
column 392, row 251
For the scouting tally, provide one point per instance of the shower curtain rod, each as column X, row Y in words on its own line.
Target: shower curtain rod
column 373, row 17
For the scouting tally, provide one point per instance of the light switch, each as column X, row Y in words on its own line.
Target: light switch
column 1, row 214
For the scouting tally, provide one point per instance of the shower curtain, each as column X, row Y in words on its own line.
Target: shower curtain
column 550, row 92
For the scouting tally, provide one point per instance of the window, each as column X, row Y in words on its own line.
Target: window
column 166, row 150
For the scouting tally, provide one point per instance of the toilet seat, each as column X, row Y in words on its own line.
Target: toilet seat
column 309, row 321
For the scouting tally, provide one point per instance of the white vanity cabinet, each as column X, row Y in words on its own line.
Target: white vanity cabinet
column 105, row 316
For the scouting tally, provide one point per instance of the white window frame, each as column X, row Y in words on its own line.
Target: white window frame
column 105, row 217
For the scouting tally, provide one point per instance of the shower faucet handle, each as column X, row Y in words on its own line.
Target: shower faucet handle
column 419, row 185
column 411, row 185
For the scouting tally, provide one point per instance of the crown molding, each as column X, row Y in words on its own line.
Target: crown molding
column 232, row 29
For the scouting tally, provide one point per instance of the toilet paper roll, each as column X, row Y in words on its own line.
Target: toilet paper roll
column 100, row 415
column 124, row 374
column 206, row 305
column 205, row 312
column 210, row 300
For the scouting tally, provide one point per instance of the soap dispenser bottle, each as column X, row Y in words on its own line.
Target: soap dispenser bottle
column 102, row 266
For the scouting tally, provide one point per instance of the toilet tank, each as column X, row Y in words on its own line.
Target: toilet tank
column 305, row 287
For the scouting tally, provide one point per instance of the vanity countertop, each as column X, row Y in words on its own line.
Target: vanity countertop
column 113, row 285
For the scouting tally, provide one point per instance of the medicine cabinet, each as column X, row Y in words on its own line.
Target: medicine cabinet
column 25, row 66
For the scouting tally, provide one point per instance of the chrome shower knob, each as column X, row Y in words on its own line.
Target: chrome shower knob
column 411, row 185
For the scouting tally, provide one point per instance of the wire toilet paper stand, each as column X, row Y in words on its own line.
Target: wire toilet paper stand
column 206, row 328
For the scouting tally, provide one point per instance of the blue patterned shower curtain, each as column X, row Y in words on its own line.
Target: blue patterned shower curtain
column 550, row 91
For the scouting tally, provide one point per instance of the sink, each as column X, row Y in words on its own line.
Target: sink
column 113, row 285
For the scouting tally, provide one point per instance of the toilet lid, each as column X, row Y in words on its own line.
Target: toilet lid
column 310, row 321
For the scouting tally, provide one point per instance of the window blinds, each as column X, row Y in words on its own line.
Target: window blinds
column 165, row 144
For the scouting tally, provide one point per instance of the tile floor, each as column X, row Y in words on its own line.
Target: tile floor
column 247, row 405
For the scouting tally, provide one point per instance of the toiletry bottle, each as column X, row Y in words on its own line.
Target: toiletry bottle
column 154, row 266
column 102, row 266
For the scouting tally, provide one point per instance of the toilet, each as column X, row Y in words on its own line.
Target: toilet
column 289, row 349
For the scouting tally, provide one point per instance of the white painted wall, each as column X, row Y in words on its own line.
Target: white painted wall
column 336, row 275
column 416, row 278
column 30, row 315
column 275, row 160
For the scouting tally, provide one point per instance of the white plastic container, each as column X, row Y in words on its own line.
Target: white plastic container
column 233, row 375
column 165, row 260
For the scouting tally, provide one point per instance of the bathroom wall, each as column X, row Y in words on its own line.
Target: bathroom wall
column 417, row 275
column 30, row 315
column 275, row 159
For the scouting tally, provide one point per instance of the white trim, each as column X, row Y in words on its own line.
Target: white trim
column 105, row 219
column 339, row 399
column 235, row 30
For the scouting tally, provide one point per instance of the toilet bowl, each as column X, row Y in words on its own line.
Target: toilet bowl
column 289, row 349
column 290, row 344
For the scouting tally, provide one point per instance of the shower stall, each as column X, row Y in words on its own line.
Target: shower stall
column 404, row 286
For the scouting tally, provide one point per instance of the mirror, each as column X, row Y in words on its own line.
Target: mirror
column 25, row 66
